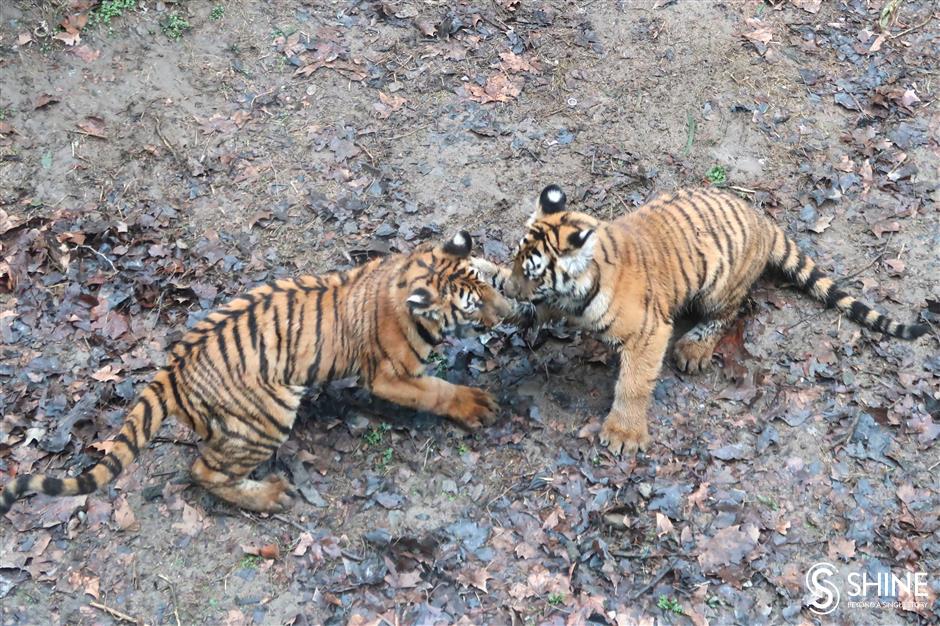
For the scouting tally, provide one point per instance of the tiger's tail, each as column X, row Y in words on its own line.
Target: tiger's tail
column 142, row 422
column 787, row 257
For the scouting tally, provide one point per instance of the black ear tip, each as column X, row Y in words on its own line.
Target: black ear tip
column 460, row 245
column 552, row 199
column 420, row 297
column 577, row 239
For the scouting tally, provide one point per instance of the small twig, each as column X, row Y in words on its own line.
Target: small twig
column 845, row 440
column 169, row 146
column 113, row 269
column 124, row 617
column 176, row 613
column 409, row 133
column 662, row 574
column 176, row 442
column 366, row 150
column 289, row 522
column 913, row 28
column 742, row 189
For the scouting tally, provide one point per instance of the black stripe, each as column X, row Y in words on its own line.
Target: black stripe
column 239, row 348
column 858, row 311
column 291, row 296
column 85, row 484
column 113, row 463
column 122, row 438
column 814, row 277
column 425, row 334
column 51, row 486
column 148, row 414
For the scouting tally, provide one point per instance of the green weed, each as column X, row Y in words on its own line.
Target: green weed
column 717, row 175
column 250, row 561
column 462, row 449
column 110, row 9
column 669, row 604
column 218, row 12
column 556, row 599
column 376, row 434
column 174, row 25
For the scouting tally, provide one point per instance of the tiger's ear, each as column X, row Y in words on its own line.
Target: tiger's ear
column 420, row 298
column 579, row 238
column 460, row 245
column 552, row 200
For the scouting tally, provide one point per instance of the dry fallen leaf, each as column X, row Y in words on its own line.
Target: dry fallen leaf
column 108, row 373
column 761, row 33
column 810, row 6
column 94, row 126
column 86, row 54
column 44, row 100
column 663, row 525
column 840, row 547
column 822, row 224
column 474, row 577
column 896, row 266
column 516, row 63
column 498, row 88
column 124, row 515
column 24, row 38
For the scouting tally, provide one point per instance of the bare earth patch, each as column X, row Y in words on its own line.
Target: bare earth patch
column 146, row 178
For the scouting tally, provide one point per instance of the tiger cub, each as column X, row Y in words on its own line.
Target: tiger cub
column 700, row 249
column 237, row 378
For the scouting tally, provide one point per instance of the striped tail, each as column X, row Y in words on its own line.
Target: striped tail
column 142, row 422
column 789, row 259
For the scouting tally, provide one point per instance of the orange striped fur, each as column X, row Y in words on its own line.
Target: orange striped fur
column 237, row 378
column 627, row 279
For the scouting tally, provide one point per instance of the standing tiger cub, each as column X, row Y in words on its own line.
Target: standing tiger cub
column 627, row 279
column 237, row 378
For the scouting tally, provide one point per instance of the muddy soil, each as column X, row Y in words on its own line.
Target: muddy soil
column 279, row 138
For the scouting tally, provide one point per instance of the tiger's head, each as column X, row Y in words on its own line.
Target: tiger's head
column 445, row 294
column 554, row 261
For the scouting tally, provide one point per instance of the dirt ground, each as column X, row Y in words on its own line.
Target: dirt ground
column 145, row 178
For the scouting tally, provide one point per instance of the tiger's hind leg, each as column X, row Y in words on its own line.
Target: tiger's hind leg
column 694, row 350
column 218, row 474
column 237, row 448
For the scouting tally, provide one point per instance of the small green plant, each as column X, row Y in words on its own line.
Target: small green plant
column 462, row 449
column 174, row 26
column 556, row 599
column 669, row 604
column 3, row 113
column 768, row 502
column 717, row 175
column 713, row 601
column 382, row 462
column 218, row 12
column 110, row 9
column 376, row 434
column 250, row 561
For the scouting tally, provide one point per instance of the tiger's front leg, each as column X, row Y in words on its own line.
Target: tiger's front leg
column 469, row 407
column 626, row 427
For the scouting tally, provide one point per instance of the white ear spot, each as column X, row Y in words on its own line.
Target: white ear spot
column 554, row 195
column 459, row 241
column 416, row 298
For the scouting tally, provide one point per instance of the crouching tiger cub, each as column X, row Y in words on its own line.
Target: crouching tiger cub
column 237, row 378
column 627, row 279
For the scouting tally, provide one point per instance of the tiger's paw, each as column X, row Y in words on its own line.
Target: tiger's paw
column 274, row 494
column 621, row 440
column 693, row 356
column 473, row 408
